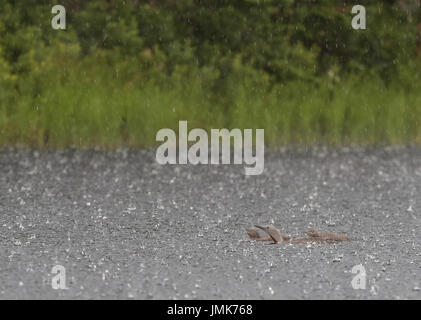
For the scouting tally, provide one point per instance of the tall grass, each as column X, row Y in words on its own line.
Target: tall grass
column 99, row 105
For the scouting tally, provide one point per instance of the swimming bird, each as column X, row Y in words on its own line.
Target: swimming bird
column 327, row 236
column 273, row 234
column 256, row 236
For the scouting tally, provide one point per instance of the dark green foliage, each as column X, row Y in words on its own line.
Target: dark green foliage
column 219, row 62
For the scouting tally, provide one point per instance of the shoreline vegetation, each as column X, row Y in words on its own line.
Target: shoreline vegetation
column 118, row 74
column 89, row 108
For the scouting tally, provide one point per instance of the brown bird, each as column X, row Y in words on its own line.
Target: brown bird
column 327, row 236
column 254, row 235
column 273, row 233
column 276, row 236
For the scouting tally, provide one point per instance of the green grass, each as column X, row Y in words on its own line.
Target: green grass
column 94, row 106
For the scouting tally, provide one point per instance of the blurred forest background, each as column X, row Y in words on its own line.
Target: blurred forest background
column 123, row 69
